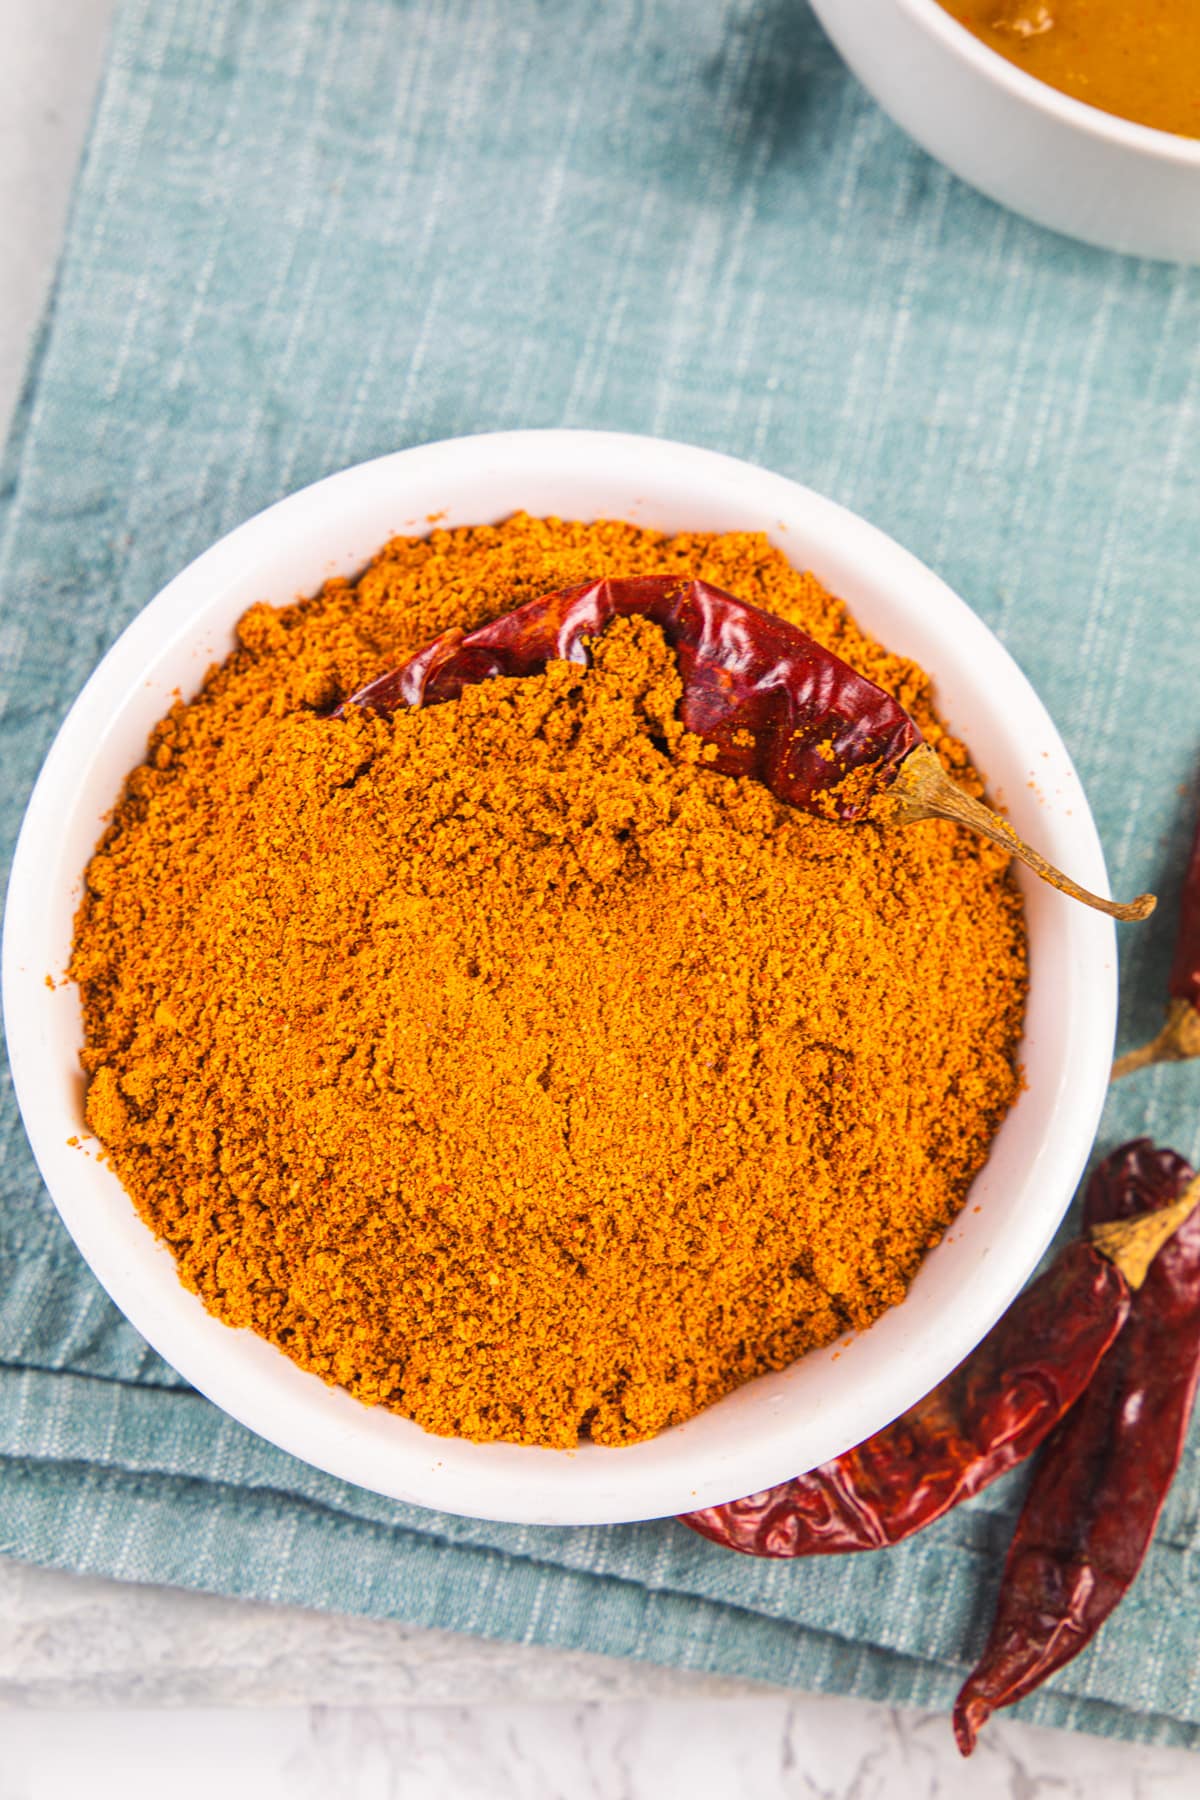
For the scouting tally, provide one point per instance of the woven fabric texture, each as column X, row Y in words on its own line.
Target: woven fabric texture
column 310, row 231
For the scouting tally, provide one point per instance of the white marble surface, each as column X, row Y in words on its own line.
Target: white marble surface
column 133, row 1692
column 50, row 57
column 635, row 1750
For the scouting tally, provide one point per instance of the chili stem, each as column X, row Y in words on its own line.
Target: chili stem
column 1178, row 1040
column 923, row 790
column 1133, row 1244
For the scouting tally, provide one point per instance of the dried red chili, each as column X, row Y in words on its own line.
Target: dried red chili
column 988, row 1415
column 776, row 704
column 1179, row 1038
column 1101, row 1480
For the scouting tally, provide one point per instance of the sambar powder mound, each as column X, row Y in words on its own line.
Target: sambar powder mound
column 502, row 1063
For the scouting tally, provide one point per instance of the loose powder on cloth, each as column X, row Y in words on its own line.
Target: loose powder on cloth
column 499, row 1061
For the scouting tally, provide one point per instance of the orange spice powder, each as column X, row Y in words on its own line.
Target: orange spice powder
column 502, row 1063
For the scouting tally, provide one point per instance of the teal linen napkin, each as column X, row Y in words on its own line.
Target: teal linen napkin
column 309, row 231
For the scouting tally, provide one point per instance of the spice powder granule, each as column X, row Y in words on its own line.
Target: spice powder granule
column 499, row 1061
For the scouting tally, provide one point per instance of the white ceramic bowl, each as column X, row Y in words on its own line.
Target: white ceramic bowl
column 1067, row 165
column 777, row 1425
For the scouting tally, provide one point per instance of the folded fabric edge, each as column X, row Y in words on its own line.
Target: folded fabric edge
column 148, row 1381
column 18, row 423
column 196, row 1539
column 20, row 1438
column 176, row 1444
column 176, row 1435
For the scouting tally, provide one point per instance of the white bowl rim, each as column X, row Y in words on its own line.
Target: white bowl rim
column 1166, row 146
column 324, row 1427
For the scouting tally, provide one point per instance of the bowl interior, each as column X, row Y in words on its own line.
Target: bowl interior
column 779, row 1424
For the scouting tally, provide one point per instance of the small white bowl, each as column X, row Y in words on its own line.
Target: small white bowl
column 1058, row 161
column 773, row 1427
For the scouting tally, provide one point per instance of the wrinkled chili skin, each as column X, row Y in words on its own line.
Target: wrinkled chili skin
column 776, row 704
column 1100, row 1483
column 988, row 1415
column 1184, row 981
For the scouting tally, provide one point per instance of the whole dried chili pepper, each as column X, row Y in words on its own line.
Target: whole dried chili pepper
column 1180, row 1035
column 1100, row 1482
column 775, row 703
column 988, row 1415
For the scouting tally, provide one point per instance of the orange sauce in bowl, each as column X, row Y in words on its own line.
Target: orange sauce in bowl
column 1139, row 59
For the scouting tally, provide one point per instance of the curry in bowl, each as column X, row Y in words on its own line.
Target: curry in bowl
column 1139, row 59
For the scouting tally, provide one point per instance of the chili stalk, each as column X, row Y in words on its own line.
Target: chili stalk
column 776, row 705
